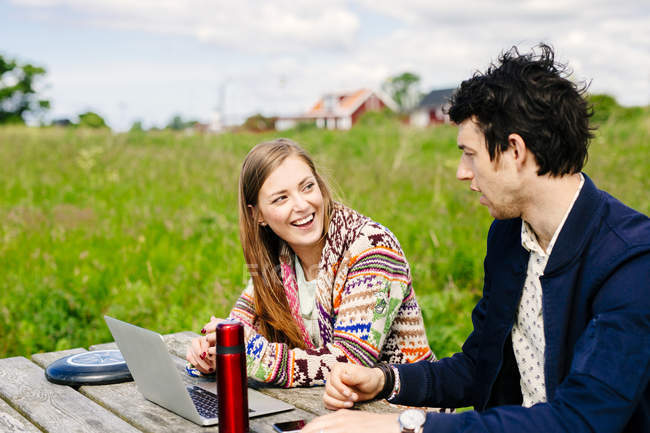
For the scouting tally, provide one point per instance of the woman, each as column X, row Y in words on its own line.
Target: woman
column 328, row 284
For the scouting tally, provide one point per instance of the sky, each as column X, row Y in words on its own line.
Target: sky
column 148, row 60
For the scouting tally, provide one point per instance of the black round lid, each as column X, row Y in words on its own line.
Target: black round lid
column 97, row 367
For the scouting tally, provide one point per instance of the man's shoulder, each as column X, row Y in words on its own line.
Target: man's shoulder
column 629, row 226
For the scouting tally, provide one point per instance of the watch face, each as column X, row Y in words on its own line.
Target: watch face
column 412, row 419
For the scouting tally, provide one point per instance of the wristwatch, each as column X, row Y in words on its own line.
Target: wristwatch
column 411, row 421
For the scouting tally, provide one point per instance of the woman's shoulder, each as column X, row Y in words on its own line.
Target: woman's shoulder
column 363, row 232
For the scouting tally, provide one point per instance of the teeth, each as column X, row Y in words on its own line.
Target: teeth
column 305, row 220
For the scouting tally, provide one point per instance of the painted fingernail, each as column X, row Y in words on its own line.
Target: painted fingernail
column 203, row 331
column 203, row 355
column 211, row 369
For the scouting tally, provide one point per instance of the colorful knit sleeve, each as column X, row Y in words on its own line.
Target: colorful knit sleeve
column 366, row 300
column 377, row 292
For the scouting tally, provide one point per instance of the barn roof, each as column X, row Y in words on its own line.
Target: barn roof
column 436, row 98
column 346, row 103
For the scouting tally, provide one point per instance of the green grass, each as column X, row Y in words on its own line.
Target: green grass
column 143, row 226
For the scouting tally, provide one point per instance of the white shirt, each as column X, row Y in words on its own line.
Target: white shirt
column 307, row 297
column 528, row 340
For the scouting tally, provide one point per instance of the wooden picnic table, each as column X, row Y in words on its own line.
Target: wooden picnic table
column 30, row 403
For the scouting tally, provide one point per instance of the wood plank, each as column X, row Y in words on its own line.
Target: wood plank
column 176, row 343
column 43, row 360
column 311, row 400
column 53, row 408
column 11, row 421
column 308, row 399
column 125, row 400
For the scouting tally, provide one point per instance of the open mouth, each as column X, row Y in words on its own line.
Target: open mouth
column 303, row 222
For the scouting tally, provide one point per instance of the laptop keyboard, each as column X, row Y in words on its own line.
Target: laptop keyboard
column 206, row 402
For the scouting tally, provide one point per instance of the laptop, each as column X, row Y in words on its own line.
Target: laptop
column 159, row 380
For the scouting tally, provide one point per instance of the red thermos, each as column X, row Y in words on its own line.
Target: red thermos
column 232, row 385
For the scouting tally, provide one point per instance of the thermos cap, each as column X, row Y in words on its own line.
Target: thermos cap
column 230, row 334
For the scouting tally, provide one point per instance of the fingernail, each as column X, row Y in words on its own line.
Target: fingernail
column 203, row 331
column 203, row 355
column 211, row 369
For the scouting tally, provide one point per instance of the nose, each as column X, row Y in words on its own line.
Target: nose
column 464, row 172
column 300, row 202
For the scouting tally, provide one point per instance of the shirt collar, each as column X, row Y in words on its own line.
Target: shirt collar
column 529, row 238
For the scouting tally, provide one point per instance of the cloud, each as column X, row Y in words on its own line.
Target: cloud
column 254, row 26
column 602, row 41
column 279, row 57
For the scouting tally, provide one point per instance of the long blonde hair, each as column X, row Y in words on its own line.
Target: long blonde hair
column 262, row 246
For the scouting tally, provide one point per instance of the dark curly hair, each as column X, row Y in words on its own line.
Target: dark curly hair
column 530, row 95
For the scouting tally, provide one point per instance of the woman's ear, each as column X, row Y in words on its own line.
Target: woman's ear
column 256, row 215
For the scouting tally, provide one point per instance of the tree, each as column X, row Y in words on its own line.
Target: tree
column 404, row 89
column 18, row 97
column 91, row 119
column 137, row 126
column 178, row 124
column 259, row 123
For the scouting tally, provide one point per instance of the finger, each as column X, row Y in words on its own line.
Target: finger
column 342, row 382
column 211, row 338
column 188, row 354
column 332, row 394
column 212, row 325
column 204, row 365
column 191, row 358
column 334, row 403
column 199, row 350
column 318, row 424
column 336, row 389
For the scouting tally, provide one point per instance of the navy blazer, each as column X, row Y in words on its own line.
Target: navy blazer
column 596, row 309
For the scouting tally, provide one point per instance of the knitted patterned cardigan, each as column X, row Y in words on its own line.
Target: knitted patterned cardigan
column 365, row 306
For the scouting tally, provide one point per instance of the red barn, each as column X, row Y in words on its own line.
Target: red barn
column 340, row 110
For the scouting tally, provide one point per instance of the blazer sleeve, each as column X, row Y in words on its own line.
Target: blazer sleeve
column 609, row 374
column 448, row 382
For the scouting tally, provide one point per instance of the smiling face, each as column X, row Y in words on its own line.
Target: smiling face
column 495, row 180
column 291, row 203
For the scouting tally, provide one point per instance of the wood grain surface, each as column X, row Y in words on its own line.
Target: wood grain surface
column 53, row 408
column 11, row 421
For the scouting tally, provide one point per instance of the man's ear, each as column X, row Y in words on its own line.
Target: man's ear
column 519, row 150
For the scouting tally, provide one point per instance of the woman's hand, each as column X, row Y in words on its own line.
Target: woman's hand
column 201, row 351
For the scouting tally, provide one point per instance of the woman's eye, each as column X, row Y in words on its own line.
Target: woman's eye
column 278, row 199
column 309, row 186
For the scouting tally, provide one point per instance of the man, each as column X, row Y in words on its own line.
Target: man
column 561, row 338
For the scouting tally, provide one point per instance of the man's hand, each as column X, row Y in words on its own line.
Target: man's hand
column 349, row 383
column 347, row 421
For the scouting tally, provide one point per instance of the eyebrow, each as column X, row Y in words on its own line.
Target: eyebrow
column 284, row 191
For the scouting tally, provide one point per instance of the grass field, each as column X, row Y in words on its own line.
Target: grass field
column 143, row 226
